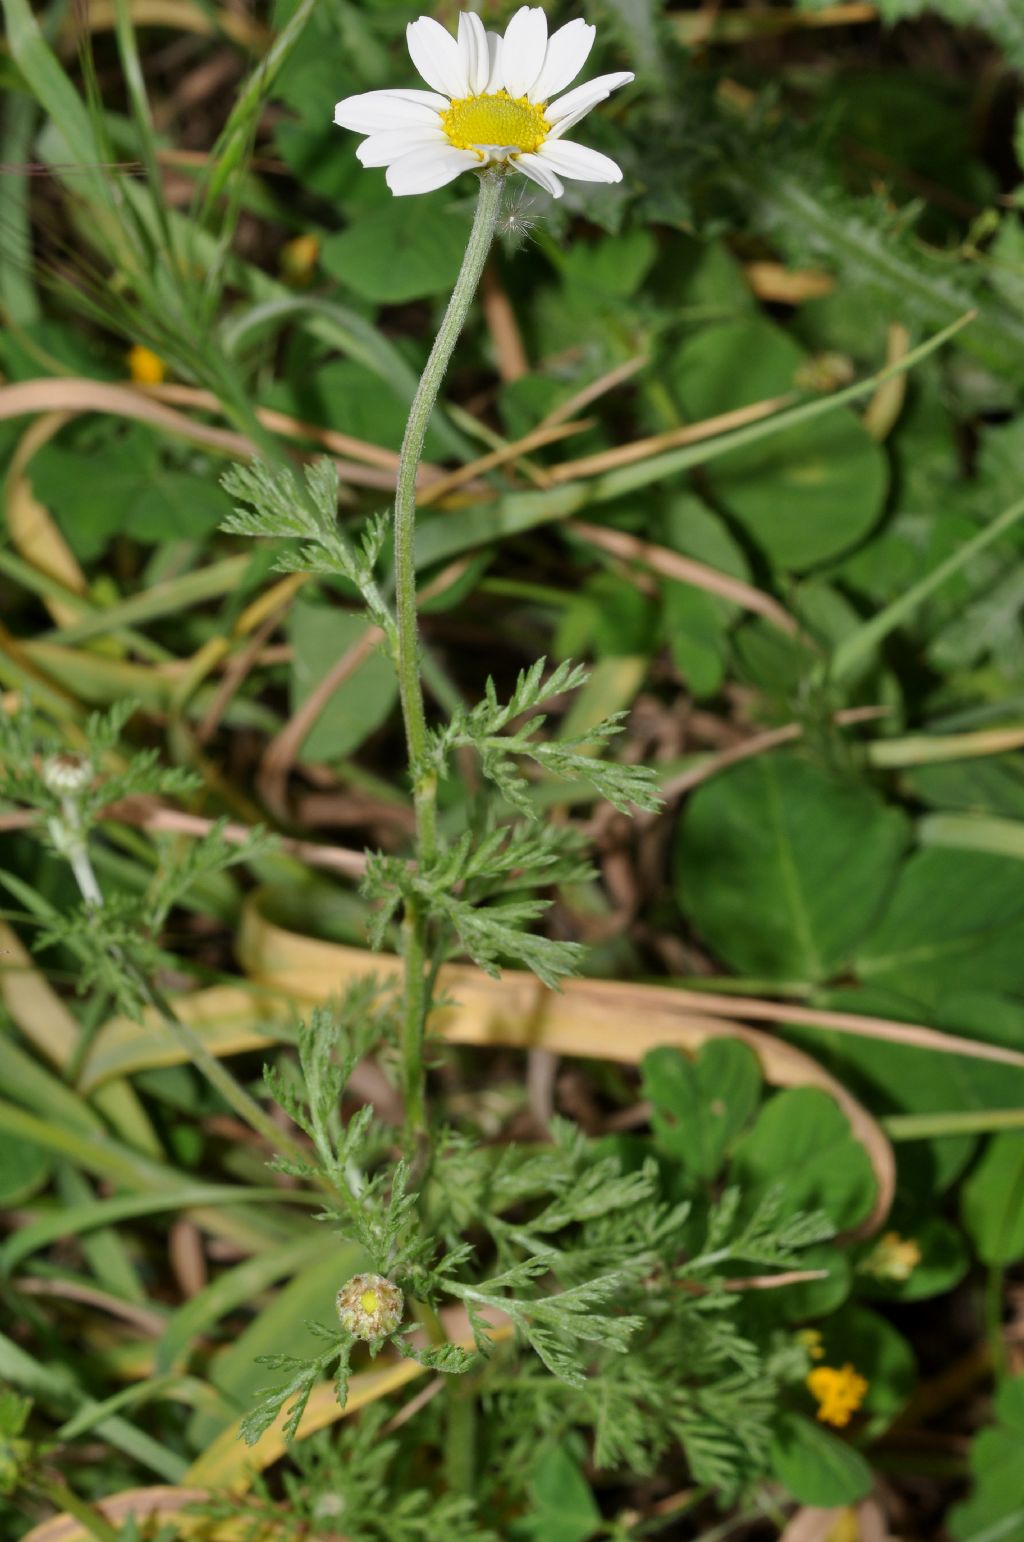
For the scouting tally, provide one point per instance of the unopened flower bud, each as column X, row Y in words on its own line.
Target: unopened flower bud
column 66, row 775
column 370, row 1306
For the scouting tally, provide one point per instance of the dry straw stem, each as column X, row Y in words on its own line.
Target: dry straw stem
column 158, row 1503
column 78, row 395
column 712, row 26
column 673, row 438
column 749, row 749
column 499, row 313
column 671, row 564
column 514, row 450
column 593, row 392
column 180, row 16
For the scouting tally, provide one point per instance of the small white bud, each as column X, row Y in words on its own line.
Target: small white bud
column 66, row 775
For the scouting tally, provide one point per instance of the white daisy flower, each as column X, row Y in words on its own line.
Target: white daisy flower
column 493, row 101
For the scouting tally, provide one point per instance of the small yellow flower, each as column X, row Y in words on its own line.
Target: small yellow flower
column 892, row 1258
column 840, row 1393
column 147, row 367
column 810, row 1339
column 299, row 258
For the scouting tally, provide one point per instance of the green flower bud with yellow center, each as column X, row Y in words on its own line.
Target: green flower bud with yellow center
column 370, row 1306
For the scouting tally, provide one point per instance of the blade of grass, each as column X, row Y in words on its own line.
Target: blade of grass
column 19, row 302
column 927, row 749
column 105, row 1249
column 50, row 1027
column 74, row 1220
column 234, row 1288
column 861, row 644
column 56, row 1388
column 973, row 832
column 961, row 1121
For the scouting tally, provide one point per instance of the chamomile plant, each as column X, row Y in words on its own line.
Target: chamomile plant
column 570, row 1285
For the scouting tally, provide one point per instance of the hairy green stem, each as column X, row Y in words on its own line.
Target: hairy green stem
column 460, row 1442
column 407, row 661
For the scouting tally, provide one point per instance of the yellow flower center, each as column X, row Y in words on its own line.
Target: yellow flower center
column 499, row 119
column 369, row 1301
column 840, row 1393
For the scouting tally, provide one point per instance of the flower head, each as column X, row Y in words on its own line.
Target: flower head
column 67, row 774
column 370, row 1306
column 299, row 258
column 493, row 101
column 810, row 1340
column 893, row 1258
column 147, row 367
column 839, row 1393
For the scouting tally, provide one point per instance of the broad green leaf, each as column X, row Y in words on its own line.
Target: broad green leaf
column 137, row 494
column 802, row 1144
column 564, row 1507
column 782, row 868
column 348, row 396
column 993, row 1201
column 994, row 1511
column 321, row 635
column 614, row 265
column 700, row 1106
column 806, row 494
column 955, row 924
column 815, row 1466
column 898, row 1078
column 408, row 248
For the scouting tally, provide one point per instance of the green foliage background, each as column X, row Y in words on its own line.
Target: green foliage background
column 867, row 861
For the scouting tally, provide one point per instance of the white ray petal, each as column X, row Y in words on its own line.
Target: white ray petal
column 382, row 149
column 380, row 110
column 476, row 56
column 437, row 56
column 578, row 102
column 533, row 167
column 523, row 49
column 568, row 51
column 495, row 79
column 577, row 161
column 423, row 170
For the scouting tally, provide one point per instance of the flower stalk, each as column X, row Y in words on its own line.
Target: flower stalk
column 407, row 662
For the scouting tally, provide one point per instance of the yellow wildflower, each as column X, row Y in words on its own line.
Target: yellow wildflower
column 892, row 1258
column 840, row 1393
column 810, row 1339
column 147, row 367
column 299, row 258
